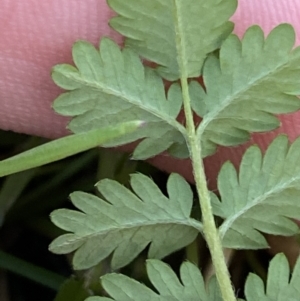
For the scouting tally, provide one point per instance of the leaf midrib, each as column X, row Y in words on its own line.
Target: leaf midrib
column 98, row 87
column 190, row 222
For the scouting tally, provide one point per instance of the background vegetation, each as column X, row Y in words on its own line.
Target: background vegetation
column 28, row 270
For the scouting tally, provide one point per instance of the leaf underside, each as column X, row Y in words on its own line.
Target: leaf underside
column 263, row 197
column 190, row 287
column 279, row 286
column 154, row 29
column 251, row 81
column 126, row 223
column 111, row 86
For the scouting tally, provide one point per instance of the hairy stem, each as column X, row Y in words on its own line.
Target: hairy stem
column 209, row 227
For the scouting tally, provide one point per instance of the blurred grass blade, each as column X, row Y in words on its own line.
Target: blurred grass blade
column 11, row 190
column 30, row 271
column 65, row 147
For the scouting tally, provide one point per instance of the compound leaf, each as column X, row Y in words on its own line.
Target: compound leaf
column 165, row 31
column 263, row 197
column 111, row 86
column 126, row 222
column 250, row 82
column 279, row 286
column 190, row 287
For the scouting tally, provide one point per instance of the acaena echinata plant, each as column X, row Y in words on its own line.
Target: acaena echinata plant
column 246, row 83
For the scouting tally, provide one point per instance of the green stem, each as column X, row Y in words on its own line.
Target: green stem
column 209, row 227
column 65, row 147
column 192, row 253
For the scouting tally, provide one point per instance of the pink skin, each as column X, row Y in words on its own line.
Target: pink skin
column 35, row 35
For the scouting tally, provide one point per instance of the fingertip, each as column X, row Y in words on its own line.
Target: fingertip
column 267, row 14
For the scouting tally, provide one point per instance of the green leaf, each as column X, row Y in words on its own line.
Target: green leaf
column 65, row 147
column 111, row 86
column 279, row 285
column 262, row 197
column 189, row 288
column 252, row 81
column 164, row 31
column 126, row 223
